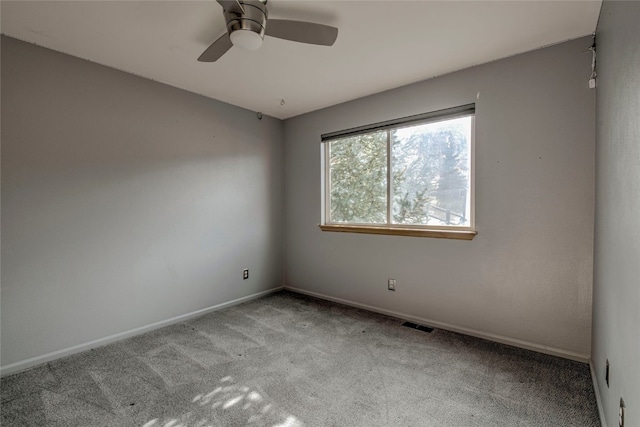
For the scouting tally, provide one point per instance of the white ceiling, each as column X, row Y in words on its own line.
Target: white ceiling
column 381, row 44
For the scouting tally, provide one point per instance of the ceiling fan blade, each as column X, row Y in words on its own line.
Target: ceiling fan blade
column 303, row 32
column 217, row 49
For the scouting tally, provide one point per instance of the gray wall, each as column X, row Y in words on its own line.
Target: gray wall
column 616, row 299
column 527, row 277
column 126, row 202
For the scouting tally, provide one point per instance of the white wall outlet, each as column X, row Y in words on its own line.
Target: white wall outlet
column 245, row 274
column 391, row 284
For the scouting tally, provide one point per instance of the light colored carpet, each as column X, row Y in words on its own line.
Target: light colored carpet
column 291, row 360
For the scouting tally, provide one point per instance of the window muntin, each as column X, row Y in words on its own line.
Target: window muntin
column 412, row 175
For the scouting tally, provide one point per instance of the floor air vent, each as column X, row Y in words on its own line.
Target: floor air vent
column 418, row 327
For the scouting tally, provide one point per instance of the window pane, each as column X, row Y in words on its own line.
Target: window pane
column 430, row 169
column 358, row 179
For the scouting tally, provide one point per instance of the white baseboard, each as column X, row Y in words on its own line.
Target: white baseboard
column 23, row 365
column 603, row 420
column 584, row 358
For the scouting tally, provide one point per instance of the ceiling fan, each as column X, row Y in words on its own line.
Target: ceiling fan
column 247, row 24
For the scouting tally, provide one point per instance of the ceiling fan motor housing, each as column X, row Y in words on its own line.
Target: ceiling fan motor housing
column 247, row 15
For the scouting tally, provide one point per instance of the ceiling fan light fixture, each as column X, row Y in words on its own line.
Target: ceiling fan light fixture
column 246, row 39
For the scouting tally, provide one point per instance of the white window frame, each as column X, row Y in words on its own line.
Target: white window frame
column 420, row 230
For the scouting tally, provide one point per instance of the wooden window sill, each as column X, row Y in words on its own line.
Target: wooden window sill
column 415, row 232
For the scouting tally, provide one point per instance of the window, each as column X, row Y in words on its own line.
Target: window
column 410, row 176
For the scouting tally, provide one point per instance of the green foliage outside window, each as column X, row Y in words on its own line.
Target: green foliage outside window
column 359, row 179
column 429, row 175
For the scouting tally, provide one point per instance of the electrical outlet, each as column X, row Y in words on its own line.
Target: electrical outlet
column 621, row 414
column 245, row 274
column 391, row 284
column 606, row 373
